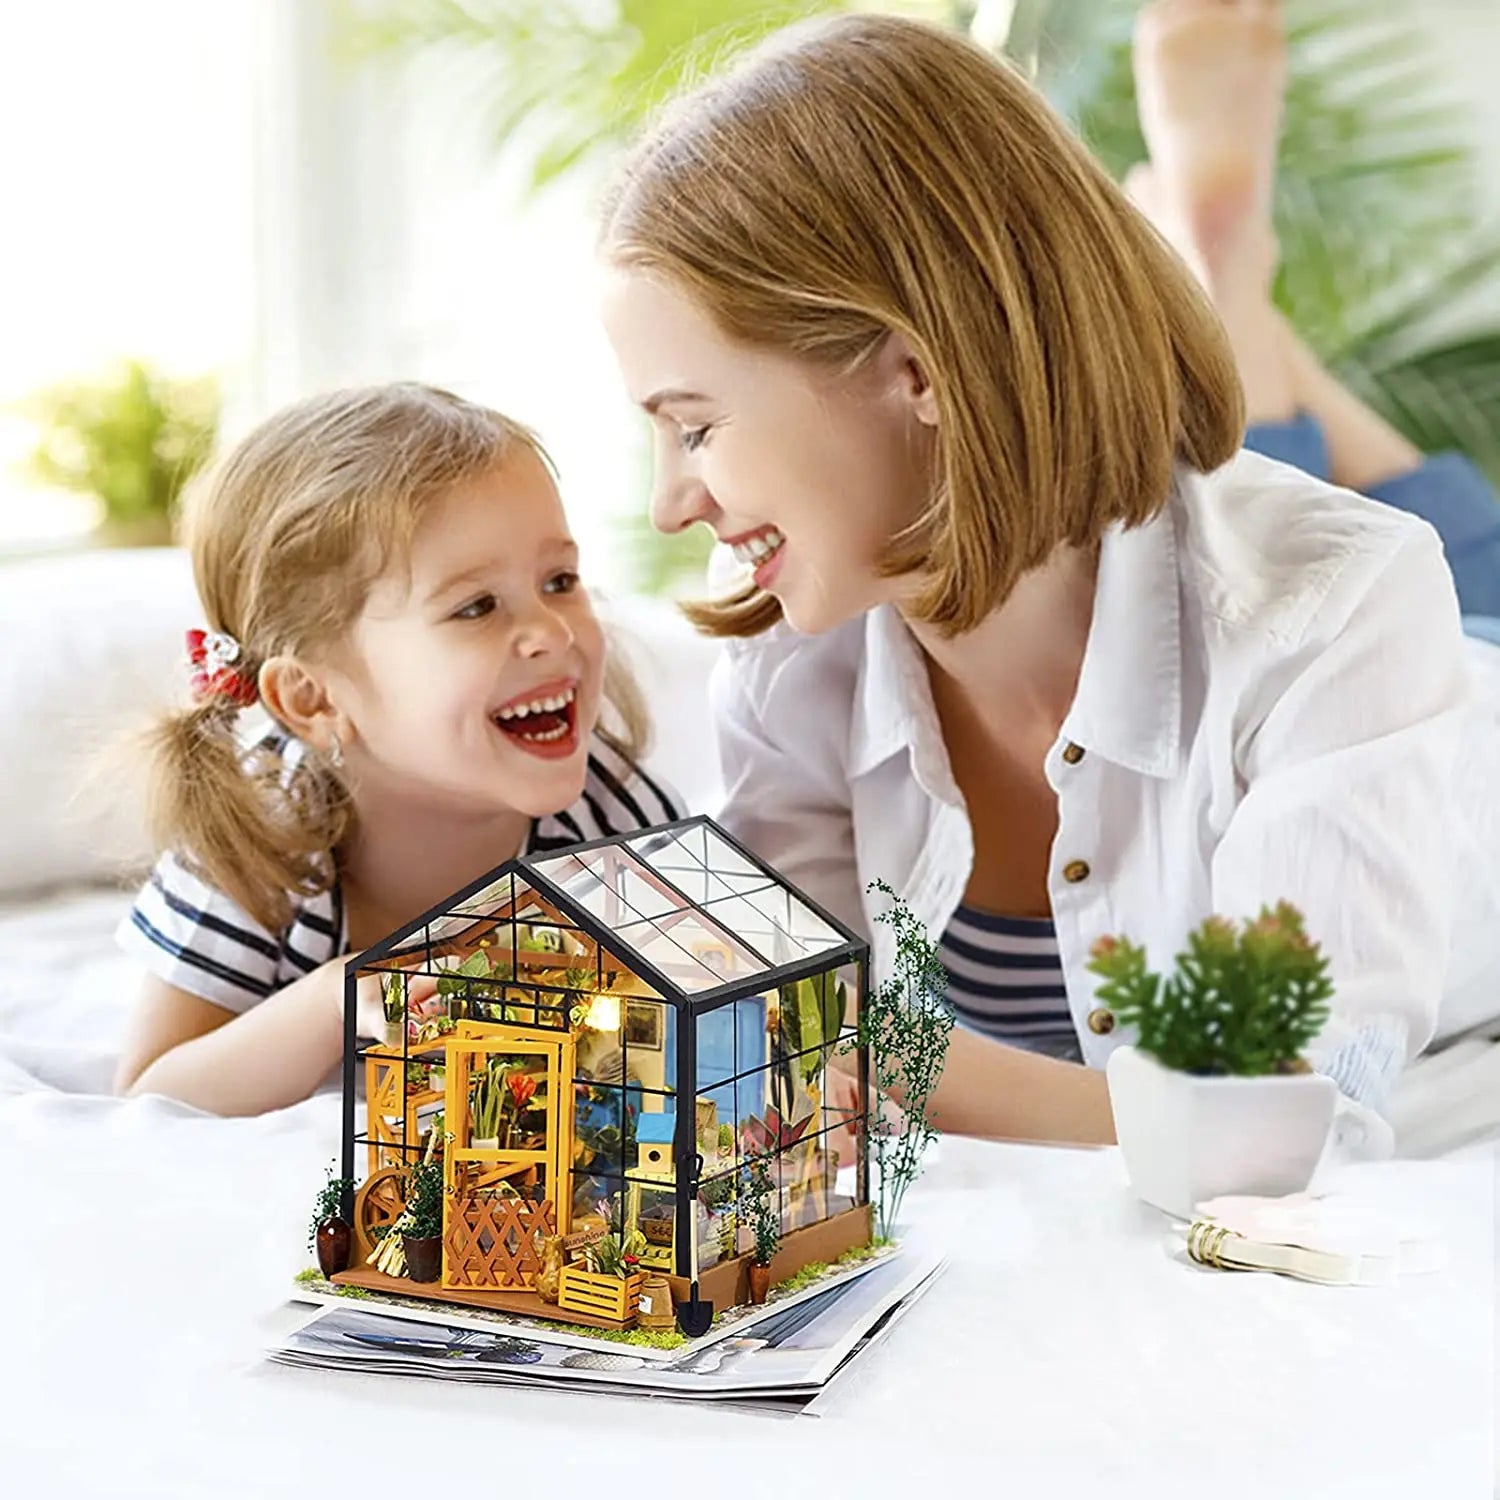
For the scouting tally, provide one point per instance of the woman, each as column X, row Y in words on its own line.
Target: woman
column 1018, row 637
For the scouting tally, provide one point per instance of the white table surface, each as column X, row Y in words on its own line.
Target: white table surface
column 1064, row 1352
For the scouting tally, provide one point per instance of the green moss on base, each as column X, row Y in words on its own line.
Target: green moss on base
column 650, row 1338
column 312, row 1273
column 357, row 1292
column 805, row 1277
column 864, row 1252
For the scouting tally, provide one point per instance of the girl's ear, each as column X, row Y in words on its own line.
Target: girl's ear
column 295, row 695
column 901, row 372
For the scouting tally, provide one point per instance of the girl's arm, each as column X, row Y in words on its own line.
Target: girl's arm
column 275, row 1054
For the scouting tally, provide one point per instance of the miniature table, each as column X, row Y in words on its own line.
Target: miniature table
column 1064, row 1351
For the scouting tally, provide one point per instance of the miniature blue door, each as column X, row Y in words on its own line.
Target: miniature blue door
column 731, row 1040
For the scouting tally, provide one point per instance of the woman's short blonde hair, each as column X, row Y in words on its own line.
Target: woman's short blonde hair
column 864, row 175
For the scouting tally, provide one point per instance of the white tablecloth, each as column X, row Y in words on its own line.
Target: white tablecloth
column 147, row 1252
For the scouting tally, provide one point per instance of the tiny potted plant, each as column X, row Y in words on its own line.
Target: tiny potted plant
column 486, row 1106
column 765, row 1227
column 520, row 1087
column 393, row 1004
column 329, row 1232
column 608, row 1283
column 1214, row 1096
column 422, row 1222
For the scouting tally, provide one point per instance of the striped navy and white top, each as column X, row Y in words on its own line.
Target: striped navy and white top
column 194, row 937
column 1005, row 980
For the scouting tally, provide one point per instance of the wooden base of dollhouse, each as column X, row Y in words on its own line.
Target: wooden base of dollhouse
column 526, row 1304
column 728, row 1283
column 725, row 1285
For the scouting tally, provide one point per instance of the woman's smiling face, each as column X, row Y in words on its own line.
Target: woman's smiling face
column 808, row 473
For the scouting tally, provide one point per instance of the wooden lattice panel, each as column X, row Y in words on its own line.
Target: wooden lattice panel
column 494, row 1241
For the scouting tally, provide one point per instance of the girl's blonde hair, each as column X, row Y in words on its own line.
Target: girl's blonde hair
column 864, row 175
column 287, row 535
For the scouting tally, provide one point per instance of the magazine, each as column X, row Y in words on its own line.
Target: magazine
column 787, row 1356
column 733, row 1322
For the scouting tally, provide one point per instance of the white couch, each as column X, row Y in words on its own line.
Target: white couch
column 91, row 645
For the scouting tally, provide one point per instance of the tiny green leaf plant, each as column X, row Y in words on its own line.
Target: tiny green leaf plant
column 1240, row 1002
column 616, row 1254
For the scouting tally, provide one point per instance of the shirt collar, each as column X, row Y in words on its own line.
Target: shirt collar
column 1128, row 707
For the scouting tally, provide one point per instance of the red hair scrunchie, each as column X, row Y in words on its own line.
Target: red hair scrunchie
column 212, row 656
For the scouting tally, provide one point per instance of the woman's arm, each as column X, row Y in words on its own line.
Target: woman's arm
column 1346, row 753
column 1008, row 1094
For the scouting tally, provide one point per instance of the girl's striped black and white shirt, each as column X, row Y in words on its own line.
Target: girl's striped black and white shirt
column 194, row 937
column 1005, row 980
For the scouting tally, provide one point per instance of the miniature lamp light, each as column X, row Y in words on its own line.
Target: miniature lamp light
column 603, row 1013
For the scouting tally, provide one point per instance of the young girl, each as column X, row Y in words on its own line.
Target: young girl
column 389, row 575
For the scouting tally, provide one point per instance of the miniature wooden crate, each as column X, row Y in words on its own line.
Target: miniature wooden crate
column 603, row 1296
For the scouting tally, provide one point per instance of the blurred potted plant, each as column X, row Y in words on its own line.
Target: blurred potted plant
column 131, row 440
column 1215, row 1096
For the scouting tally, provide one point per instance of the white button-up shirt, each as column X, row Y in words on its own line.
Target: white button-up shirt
column 1272, row 694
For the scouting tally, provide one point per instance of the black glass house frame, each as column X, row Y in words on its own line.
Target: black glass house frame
column 495, row 902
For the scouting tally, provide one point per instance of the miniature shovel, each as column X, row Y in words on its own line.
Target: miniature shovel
column 695, row 1316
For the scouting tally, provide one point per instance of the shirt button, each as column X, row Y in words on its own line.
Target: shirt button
column 1101, row 1022
column 1072, row 753
column 1075, row 871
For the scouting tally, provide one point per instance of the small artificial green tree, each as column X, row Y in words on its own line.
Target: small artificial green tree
column 906, row 1024
column 1243, row 1003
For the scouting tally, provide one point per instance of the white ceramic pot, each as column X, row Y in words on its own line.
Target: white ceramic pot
column 1186, row 1138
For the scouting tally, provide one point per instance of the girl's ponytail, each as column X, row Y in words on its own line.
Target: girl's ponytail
column 251, row 829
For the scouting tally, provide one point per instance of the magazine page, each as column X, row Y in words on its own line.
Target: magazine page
column 795, row 1348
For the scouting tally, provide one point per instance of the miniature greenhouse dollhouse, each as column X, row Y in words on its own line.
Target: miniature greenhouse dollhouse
column 622, row 1032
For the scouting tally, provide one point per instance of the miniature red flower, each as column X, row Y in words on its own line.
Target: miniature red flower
column 522, row 1086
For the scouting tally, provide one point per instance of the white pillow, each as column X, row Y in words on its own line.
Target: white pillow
column 91, row 647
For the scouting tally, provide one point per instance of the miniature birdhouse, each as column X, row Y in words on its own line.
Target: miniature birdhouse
column 653, row 1143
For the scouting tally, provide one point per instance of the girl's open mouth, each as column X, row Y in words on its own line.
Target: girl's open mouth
column 546, row 725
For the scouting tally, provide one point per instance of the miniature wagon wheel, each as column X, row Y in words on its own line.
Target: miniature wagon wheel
column 379, row 1202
